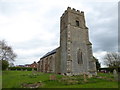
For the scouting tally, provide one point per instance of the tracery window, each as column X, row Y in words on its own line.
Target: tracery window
column 79, row 57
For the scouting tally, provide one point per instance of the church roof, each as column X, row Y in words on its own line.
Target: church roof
column 50, row 53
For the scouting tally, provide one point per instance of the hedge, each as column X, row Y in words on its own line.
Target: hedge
column 21, row 68
column 110, row 69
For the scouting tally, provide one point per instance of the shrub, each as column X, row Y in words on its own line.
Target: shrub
column 5, row 64
column 22, row 68
column 110, row 69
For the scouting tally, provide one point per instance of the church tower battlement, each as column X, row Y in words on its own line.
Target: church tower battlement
column 72, row 14
column 73, row 10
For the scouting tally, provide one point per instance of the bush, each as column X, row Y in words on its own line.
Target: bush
column 5, row 64
column 22, row 68
column 110, row 69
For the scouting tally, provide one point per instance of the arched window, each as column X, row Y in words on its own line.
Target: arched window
column 79, row 57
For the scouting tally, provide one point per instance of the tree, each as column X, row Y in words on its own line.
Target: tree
column 6, row 52
column 11, row 64
column 97, row 63
column 112, row 59
column 5, row 64
column 98, row 66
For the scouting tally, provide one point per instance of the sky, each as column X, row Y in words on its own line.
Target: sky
column 32, row 27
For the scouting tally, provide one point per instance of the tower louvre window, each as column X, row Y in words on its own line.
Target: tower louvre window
column 77, row 23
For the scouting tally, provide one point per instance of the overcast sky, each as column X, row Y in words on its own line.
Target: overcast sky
column 32, row 27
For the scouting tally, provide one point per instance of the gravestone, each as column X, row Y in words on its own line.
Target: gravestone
column 85, row 77
column 89, row 75
column 115, row 75
column 33, row 71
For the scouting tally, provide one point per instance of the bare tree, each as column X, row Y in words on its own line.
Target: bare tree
column 112, row 59
column 6, row 52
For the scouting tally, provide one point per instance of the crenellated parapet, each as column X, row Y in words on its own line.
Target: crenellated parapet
column 72, row 10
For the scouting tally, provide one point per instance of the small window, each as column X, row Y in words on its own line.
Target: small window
column 77, row 23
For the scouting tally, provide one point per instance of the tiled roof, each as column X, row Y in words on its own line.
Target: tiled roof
column 50, row 53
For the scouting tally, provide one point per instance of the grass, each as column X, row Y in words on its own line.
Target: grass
column 15, row 79
column 0, row 79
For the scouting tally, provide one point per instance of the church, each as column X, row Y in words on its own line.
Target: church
column 74, row 56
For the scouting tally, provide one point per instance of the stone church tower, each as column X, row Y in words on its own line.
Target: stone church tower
column 76, row 49
column 74, row 56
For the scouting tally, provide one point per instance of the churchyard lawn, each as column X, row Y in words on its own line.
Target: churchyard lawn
column 32, row 79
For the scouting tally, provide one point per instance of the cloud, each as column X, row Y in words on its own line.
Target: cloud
column 100, row 56
column 103, row 27
column 32, row 27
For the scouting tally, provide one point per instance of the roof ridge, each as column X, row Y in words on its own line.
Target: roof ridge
column 50, row 53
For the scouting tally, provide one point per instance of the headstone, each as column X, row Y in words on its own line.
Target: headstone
column 7, row 69
column 115, row 75
column 85, row 77
column 33, row 71
column 89, row 75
